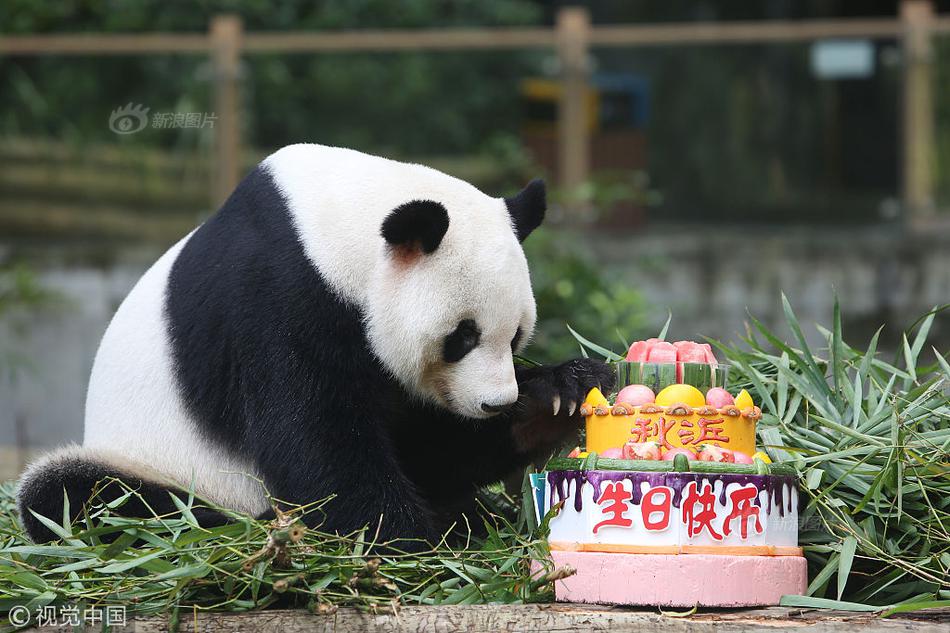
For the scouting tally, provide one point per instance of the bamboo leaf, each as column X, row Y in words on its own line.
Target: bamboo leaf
column 943, row 362
column 848, row 548
column 920, row 607
column 810, row 602
column 666, row 326
column 603, row 351
column 910, row 361
column 837, row 349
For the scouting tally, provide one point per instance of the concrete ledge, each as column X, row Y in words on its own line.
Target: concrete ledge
column 549, row 618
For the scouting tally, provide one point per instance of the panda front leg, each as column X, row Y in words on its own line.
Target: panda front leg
column 370, row 492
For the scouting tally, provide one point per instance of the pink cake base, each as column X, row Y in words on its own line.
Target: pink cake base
column 679, row 581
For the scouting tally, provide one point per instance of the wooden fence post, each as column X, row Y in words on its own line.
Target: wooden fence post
column 573, row 36
column 917, row 108
column 226, row 35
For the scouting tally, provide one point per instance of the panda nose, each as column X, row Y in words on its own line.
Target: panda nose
column 496, row 408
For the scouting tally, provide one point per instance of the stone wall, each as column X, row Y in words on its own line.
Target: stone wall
column 712, row 279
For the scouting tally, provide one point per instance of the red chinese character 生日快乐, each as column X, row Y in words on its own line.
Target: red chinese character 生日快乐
column 697, row 521
column 616, row 497
column 743, row 509
column 657, row 501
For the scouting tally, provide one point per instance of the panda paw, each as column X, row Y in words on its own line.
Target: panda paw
column 550, row 398
column 574, row 379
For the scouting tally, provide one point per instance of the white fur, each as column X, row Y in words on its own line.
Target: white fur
column 134, row 411
column 339, row 199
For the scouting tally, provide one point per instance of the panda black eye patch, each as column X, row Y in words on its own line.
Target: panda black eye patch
column 461, row 341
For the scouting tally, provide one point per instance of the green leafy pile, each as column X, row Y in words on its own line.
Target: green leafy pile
column 871, row 441
column 167, row 564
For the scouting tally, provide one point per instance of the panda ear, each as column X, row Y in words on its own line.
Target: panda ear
column 416, row 227
column 527, row 208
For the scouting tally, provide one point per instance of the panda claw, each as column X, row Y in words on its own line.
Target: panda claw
column 571, row 409
column 557, row 403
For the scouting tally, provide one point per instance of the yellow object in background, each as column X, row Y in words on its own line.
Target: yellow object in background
column 761, row 455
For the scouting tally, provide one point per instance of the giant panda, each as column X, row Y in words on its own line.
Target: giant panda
column 343, row 326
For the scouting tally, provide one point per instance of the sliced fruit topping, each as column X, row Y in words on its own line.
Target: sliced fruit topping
column 662, row 352
column 713, row 453
column 641, row 450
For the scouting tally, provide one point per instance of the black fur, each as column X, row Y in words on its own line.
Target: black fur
column 461, row 341
column 77, row 478
column 420, row 222
column 276, row 368
column 527, row 208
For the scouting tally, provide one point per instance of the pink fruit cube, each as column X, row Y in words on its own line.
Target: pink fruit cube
column 638, row 352
column 689, row 352
column 662, row 352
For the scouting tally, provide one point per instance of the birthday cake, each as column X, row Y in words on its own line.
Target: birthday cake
column 671, row 503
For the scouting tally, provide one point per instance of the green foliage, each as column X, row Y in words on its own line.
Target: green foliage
column 570, row 288
column 167, row 563
column 403, row 102
column 871, row 441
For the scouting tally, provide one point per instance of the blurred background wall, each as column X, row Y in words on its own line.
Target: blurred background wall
column 702, row 156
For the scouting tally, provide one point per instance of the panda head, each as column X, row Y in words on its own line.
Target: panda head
column 451, row 302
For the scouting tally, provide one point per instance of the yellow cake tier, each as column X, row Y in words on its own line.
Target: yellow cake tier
column 675, row 426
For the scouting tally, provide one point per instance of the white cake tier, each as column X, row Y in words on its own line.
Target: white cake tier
column 670, row 512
